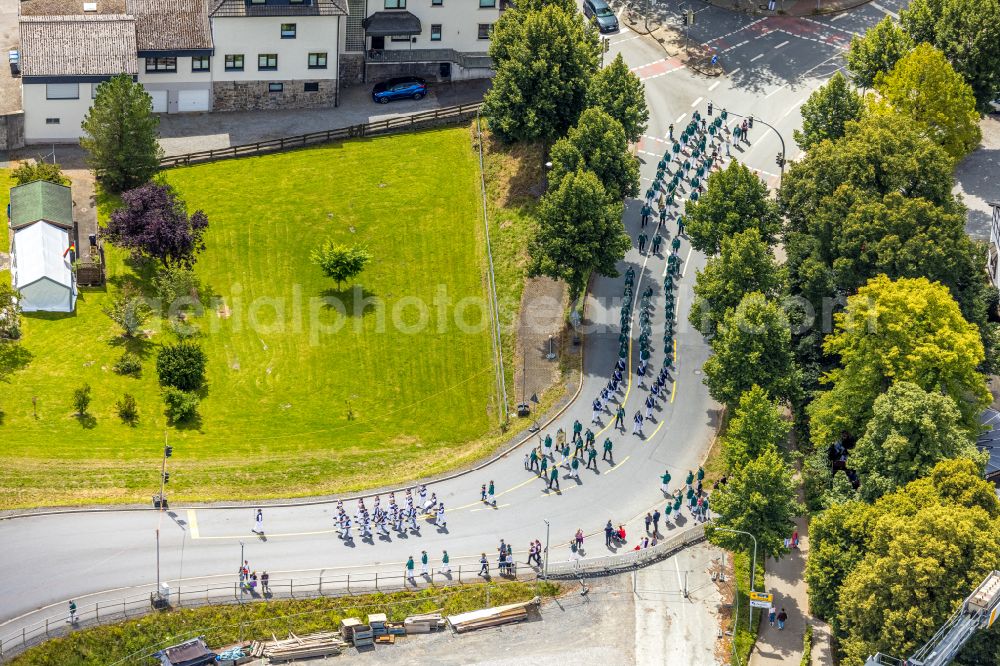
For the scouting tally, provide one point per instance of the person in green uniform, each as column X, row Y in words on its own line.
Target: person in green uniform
column 665, row 482
column 554, row 478
column 675, row 244
column 576, row 467
column 423, row 563
column 545, row 467
column 548, row 445
column 657, row 242
column 409, row 570
column 690, row 478
column 445, row 566
column 666, row 512
column 592, row 458
column 701, row 473
column 577, row 428
column 619, row 423
column 607, row 442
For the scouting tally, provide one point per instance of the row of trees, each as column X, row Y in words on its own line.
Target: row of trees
column 548, row 87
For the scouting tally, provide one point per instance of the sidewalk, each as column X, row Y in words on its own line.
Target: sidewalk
column 789, row 7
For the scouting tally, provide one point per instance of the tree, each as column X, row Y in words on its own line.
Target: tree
column 537, row 5
column 619, row 92
column 910, row 431
column 128, row 409
column 180, row 405
column 756, row 426
column 10, row 313
column 153, row 221
column 544, row 60
column 29, row 172
column 182, row 366
column 968, row 32
column 128, row 364
column 891, row 331
column 925, row 87
column 340, row 262
column 838, row 540
column 579, row 231
column 735, row 199
column 877, row 51
column 597, row 144
column 758, row 498
column 119, row 135
column 129, row 309
column 745, row 263
column 752, row 347
column 81, row 399
column 827, row 111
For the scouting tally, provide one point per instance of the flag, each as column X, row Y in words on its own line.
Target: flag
column 71, row 248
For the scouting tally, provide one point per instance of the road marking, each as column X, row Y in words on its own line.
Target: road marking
column 611, row 469
column 490, row 508
column 792, row 108
column 839, row 16
column 714, row 86
column 696, row 102
column 193, row 523
column 656, row 138
column 735, row 70
column 784, row 43
column 684, row 270
column 646, row 152
column 268, row 535
column 884, row 10
column 662, row 421
column 757, row 57
column 680, row 118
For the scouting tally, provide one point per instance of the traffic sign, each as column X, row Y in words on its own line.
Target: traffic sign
column 761, row 599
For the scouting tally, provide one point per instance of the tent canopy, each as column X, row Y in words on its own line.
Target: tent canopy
column 40, row 272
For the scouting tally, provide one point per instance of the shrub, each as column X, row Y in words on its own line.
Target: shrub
column 81, row 399
column 128, row 364
column 129, row 309
column 127, row 408
column 174, row 283
column 181, row 405
column 29, row 172
column 181, row 366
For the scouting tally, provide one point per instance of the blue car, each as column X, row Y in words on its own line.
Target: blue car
column 404, row 88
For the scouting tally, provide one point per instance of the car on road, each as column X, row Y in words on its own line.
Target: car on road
column 409, row 87
column 601, row 15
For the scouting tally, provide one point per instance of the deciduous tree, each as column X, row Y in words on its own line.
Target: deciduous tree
column 827, row 111
column 340, row 262
column 128, row 308
column 10, row 313
column 617, row 90
column 153, row 222
column 735, row 200
column 838, row 540
column 756, row 426
column 597, row 144
column 182, row 366
column 877, row 51
column 28, row 172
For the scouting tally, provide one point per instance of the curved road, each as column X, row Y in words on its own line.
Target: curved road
column 771, row 65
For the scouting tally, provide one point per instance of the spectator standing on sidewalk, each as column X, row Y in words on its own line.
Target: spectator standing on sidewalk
column 770, row 615
column 782, row 618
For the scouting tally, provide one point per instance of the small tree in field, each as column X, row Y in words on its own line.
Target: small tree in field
column 180, row 405
column 119, row 135
column 153, row 222
column 340, row 262
column 10, row 313
column 127, row 408
column 81, row 399
column 28, row 172
column 182, row 366
column 128, row 309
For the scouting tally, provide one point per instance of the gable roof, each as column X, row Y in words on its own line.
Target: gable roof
column 41, row 200
column 69, row 7
column 230, row 8
column 91, row 45
column 171, row 25
column 38, row 255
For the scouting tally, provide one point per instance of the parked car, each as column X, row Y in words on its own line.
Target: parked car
column 601, row 15
column 409, row 87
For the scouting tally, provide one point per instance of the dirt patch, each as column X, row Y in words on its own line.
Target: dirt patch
column 539, row 336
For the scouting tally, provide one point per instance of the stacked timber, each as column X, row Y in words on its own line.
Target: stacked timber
column 423, row 624
column 491, row 617
column 323, row 644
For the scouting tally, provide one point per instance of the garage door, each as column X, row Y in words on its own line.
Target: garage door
column 192, row 100
column 159, row 100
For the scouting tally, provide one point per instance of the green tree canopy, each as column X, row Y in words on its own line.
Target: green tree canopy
column 735, row 199
column 924, row 86
column 544, row 60
column 968, row 32
column 756, row 426
column 119, row 135
column 904, row 330
column 340, row 262
column 618, row 91
column 597, row 143
column 752, row 347
column 758, row 498
column 580, row 230
column 827, row 111
column 910, row 431
column 838, row 540
column 877, row 51
column 28, row 172
column 745, row 263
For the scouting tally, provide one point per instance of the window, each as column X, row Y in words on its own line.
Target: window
column 275, row 87
column 317, row 61
column 484, row 30
column 200, row 63
column 311, row 86
column 437, row 3
column 93, row 90
column 487, row 4
column 395, row 4
column 257, row 2
column 234, row 62
column 62, row 91
column 288, row 31
column 267, row 61
column 154, row 65
column 399, row 38
column 52, row 121
column 436, row 32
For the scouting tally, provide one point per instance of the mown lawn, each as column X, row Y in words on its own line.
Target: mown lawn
column 301, row 399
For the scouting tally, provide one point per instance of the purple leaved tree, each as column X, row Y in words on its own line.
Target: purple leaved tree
column 153, row 222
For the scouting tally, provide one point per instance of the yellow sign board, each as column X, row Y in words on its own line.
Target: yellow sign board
column 993, row 616
column 761, row 599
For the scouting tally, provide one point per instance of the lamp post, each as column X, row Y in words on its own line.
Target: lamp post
column 753, row 571
column 545, row 567
column 781, row 157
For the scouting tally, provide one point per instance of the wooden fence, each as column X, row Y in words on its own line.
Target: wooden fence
column 448, row 114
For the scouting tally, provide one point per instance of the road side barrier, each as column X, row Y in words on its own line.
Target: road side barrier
column 628, row 559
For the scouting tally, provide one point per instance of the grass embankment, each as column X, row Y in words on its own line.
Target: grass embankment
column 746, row 627
column 302, row 399
column 225, row 625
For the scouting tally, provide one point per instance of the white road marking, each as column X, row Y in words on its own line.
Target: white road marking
column 687, row 259
column 627, row 39
column 884, row 10
column 680, row 118
column 696, row 102
column 735, row 70
column 839, row 16
column 784, row 43
column 757, row 57
column 792, row 108
column 714, row 86
column 646, row 152
column 656, row 138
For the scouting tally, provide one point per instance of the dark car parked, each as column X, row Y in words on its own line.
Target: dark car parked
column 601, row 15
column 409, row 87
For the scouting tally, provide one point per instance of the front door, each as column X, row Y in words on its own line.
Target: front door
column 378, row 43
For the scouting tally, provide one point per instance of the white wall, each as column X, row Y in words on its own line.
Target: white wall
column 251, row 36
column 169, row 80
column 37, row 108
column 459, row 20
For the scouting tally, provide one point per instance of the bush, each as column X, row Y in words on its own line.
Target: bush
column 177, row 287
column 181, row 405
column 29, row 172
column 127, row 408
column 81, row 399
column 181, row 366
column 128, row 364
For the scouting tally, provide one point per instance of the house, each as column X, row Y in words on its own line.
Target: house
column 41, row 221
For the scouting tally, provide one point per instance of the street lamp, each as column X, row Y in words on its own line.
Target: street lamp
column 545, row 568
column 781, row 157
column 753, row 572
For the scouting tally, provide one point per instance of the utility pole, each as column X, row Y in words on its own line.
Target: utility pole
column 781, row 156
column 753, row 572
column 167, row 452
column 545, row 568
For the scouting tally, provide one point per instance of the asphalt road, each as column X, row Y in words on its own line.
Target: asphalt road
column 771, row 66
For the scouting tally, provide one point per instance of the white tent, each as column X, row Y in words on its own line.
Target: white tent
column 40, row 272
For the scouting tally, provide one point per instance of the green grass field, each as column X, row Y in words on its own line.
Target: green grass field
column 285, row 368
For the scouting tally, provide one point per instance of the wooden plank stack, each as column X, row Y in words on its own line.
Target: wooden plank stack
column 322, row 644
column 423, row 624
column 491, row 617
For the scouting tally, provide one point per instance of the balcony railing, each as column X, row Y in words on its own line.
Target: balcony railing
column 466, row 60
